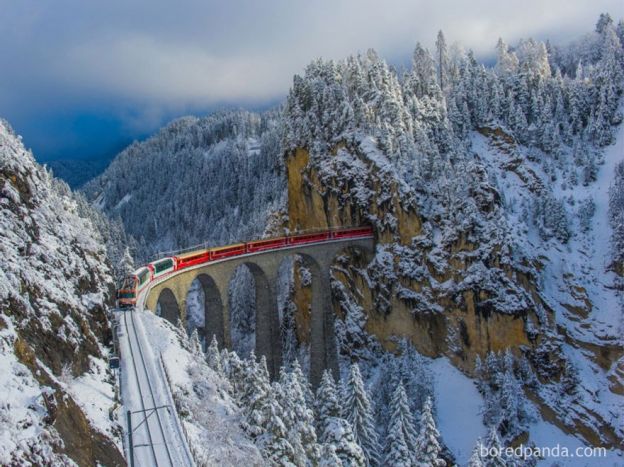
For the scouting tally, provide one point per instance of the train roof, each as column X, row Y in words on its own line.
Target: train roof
column 190, row 254
column 227, row 247
column 139, row 271
column 169, row 258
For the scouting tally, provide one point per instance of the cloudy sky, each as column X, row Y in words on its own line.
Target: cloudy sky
column 82, row 78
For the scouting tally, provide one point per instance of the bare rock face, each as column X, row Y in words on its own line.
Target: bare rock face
column 390, row 294
column 55, row 285
column 460, row 296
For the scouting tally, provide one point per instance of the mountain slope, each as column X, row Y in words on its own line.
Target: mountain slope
column 487, row 193
column 214, row 179
column 55, row 285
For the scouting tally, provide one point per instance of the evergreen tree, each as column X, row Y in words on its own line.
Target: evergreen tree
column 298, row 418
column 506, row 62
column 401, row 419
column 604, row 22
column 358, row 412
column 183, row 337
column 125, row 265
column 256, row 398
column 327, row 404
column 213, row 357
column 494, row 450
column 475, row 459
column 397, row 452
column 338, row 434
column 427, row 444
column 236, row 373
column 616, row 218
column 196, row 346
column 511, row 404
column 442, row 60
column 273, row 441
column 329, row 458
column 401, row 436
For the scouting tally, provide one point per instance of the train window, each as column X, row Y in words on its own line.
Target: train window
column 143, row 276
column 162, row 265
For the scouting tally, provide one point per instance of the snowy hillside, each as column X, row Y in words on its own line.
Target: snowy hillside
column 489, row 190
column 77, row 172
column 210, row 417
column 495, row 194
column 214, row 179
column 55, row 285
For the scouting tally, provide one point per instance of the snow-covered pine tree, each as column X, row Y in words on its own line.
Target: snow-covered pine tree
column 401, row 417
column 182, row 335
column 124, row 266
column 358, row 412
column 327, row 404
column 213, row 356
column 329, row 458
column 297, row 417
column 415, row 376
column 255, row 397
column 494, row 451
column 511, row 405
column 442, row 60
column 475, row 458
column 338, row 434
column 401, row 436
column 235, row 372
column 196, row 346
column 225, row 359
column 303, row 382
column 273, row 441
column 506, row 61
column 428, row 442
column 397, row 452
column 616, row 218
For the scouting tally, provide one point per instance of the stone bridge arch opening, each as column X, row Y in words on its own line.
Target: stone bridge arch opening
column 253, row 320
column 167, row 306
column 301, row 311
column 204, row 309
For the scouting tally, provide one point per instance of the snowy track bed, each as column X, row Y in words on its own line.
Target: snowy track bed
column 157, row 436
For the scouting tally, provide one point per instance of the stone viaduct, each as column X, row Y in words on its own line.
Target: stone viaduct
column 170, row 292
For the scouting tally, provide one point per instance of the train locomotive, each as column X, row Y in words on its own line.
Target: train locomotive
column 136, row 282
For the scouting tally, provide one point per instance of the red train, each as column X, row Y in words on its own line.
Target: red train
column 137, row 281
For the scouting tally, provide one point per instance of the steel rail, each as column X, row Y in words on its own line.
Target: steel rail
column 151, row 391
column 136, row 375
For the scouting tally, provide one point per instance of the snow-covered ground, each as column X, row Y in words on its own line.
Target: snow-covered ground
column 22, row 407
column 207, row 417
column 94, row 392
column 157, row 434
column 459, row 405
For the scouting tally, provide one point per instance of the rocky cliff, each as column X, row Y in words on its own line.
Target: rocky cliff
column 460, row 296
column 58, row 400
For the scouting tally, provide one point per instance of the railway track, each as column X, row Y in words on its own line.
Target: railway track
column 156, row 438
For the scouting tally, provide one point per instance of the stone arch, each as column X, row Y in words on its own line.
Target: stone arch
column 168, row 306
column 267, row 323
column 310, row 322
column 211, row 311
